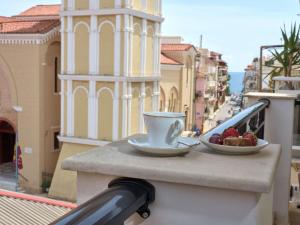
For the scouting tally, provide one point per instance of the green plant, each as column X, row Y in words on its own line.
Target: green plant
column 288, row 59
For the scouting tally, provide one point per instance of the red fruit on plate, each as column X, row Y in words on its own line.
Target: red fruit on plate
column 252, row 137
column 216, row 139
column 230, row 132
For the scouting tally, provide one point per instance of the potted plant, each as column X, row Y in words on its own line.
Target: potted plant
column 287, row 60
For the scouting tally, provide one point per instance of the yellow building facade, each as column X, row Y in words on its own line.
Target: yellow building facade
column 109, row 76
column 177, row 86
column 29, row 94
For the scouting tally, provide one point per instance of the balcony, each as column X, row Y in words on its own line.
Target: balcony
column 223, row 78
column 200, row 188
column 211, row 83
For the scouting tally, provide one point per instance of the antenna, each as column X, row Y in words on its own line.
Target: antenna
column 201, row 39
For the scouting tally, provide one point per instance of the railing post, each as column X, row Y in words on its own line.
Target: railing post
column 279, row 130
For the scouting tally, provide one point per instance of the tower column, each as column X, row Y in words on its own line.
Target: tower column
column 70, row 109
column 71, row 47
column 157, row 50
column 117, row 59
column 94, row 49
column 124, row 111
column 129, row 107
column 94, row 4
column 118, row 3
column 71, row 4
column 62, row 108
column 143, row 47
column 126, row 45
column 142, row 107
column 92, row 130
column 62, row 49
column 155, row 96
column 131, row 45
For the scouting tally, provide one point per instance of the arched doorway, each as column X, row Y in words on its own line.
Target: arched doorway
column 7, row 142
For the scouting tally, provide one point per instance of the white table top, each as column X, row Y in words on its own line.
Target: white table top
column 201, row 167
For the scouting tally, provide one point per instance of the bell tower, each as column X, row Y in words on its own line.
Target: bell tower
column 110, row 72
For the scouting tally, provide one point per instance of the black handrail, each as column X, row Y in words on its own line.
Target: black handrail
column 240, row 120
column 124, row 197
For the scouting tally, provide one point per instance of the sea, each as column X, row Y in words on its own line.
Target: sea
column 236, row 82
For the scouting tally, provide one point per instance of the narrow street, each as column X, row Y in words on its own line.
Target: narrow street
column 224, row 112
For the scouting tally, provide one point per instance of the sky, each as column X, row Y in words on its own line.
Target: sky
column 235, row 28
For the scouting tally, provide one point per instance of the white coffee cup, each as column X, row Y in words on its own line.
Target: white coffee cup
column 164, row 128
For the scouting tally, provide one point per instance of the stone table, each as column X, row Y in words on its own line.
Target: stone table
column 200, row 188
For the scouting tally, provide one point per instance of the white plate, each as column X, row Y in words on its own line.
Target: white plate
column 235, row 150
column 141, row 144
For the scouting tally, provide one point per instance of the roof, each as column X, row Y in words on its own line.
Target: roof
column 28, row 27
column 38, row 19
column 4, row 19
column 176, row 47
column 18, row 208
column 42, row 10
column 168, row 60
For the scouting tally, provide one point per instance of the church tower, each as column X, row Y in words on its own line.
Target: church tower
column 110, row 75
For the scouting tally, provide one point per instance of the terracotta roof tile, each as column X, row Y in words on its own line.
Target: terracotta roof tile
column 28, row 27
column 4, row 19
column 42, row 10
column 167, row 60
column 176, row 47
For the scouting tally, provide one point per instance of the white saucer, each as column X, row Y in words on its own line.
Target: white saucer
column 141, row 143
column 235, row 150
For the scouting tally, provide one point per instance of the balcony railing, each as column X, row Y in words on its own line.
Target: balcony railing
column 123, row 198
column 252, row 118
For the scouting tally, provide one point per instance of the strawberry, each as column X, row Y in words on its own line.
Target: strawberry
column 252, row 137
column 230, row 132
column 216, row 139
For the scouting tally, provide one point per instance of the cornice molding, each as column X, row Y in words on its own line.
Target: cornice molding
column 116, row 11
column 30, row 39
column 109, row 78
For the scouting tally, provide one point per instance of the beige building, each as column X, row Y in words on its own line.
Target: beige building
column 29, row 91
column 110, row 75
column 177, row 87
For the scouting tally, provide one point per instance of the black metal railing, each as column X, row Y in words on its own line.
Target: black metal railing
column 250, row 119
column 123, row 198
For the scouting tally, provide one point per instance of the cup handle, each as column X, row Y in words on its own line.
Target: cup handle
column 178, row 128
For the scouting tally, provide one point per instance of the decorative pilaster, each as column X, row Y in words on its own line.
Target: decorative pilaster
column 127, row 4
column 94, row 49
column 129, row 107
column 94, row 4
column 71, row 47
column 62, row 108
column 116, row 112
column 157, row 50
column 131, row 46
column 118, row 3
column 160, row 7
column 126, row 45
column 92, row 110
column 117, row 50
column 156, row 95
column 143, row 47
column 71, row 4
column 142, row 108
column 62, row 49
column 124, row 111
column 144, row 5
column 70, row 109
